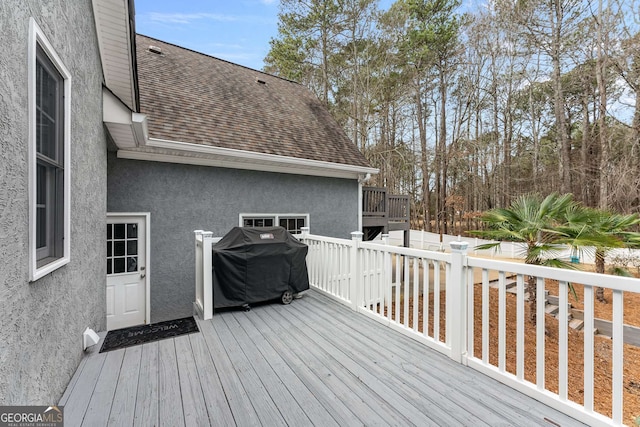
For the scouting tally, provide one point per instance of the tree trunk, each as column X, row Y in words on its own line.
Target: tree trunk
column 600, row 255
column 558, row 99
column 603, row 200
column 532, row 290
column 584, row 150
column 424, row 159
column 442, row 142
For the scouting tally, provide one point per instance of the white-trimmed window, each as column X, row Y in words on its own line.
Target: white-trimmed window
column 49, row 174
column 291, row 222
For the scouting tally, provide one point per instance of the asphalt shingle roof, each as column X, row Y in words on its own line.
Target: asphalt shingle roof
column 196, row 98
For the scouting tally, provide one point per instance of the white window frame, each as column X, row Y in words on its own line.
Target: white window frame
column 37, row 38
column 276, row 217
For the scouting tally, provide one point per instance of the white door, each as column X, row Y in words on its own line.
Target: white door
column 126, row 271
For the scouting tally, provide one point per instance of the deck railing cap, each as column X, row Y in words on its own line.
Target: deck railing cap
column 459, row 246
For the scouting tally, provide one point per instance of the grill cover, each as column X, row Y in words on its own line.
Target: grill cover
column 257, row 264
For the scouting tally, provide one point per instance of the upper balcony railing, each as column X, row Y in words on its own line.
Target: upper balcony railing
column 374, row 202
column 383, row 212
column 377, row 202
column 398, row 208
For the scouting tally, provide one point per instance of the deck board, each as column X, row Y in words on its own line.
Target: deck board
column 123, row 407
column 379, row 401
column 319, row 389
column 256, row 391
column 360, row 400
column 278, row 391
column 193, row 404
column 82, row 389
column 308, row 401
column 239, row 402
column 170, row 412
column 213, row 393
column 314, row 362
column 146, row 413
column 481, row 394
column 413, row 398
column 429, row 381
column 102, row 397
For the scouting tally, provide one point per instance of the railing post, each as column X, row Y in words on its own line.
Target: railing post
column 207, row 275
column 457, row 302
column 387, row 272
column 355, row 290
column 199, row 283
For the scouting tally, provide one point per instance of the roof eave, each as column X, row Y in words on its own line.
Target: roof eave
column 205, row 155
column 116, row 42
column 127, row 128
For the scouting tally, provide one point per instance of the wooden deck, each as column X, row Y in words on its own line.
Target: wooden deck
column 314, row 362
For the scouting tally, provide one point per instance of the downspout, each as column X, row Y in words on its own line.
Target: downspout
column 362, row 179
column 359, row 205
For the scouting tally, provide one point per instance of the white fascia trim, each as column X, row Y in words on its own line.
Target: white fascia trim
column 258, row 161
column 116, row 111
column 118, row 15
column 37, row 37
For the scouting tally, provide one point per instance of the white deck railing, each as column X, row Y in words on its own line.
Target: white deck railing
column 387, row 283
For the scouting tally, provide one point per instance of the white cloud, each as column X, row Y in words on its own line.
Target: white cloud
column 268, row 2
column 187, row 18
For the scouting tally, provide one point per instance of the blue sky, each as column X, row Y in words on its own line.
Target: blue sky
column 235, row 30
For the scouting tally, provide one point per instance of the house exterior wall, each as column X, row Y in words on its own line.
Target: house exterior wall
column 184, row 198
column 41, row 323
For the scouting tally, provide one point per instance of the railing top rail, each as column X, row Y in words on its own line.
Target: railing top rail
column 626, row 284
column 399, row 196
column 335, row 240
column 376, row 189
column 411, row 252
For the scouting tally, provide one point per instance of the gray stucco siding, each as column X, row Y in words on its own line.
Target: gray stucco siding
column 41, row 323
column 183, row 198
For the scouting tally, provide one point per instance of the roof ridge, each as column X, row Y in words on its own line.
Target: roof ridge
column 220, row 59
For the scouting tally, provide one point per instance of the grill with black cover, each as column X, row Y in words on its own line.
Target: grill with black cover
column 253, row 265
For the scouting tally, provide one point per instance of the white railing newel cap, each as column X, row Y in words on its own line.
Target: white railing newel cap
column 207, row 234
column 198, row 232
column 459, row 246
column 357, row 235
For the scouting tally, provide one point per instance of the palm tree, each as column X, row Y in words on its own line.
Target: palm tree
column 533, row 221
column 610, row 230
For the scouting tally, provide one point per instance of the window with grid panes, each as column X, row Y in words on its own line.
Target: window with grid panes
column 292, row 223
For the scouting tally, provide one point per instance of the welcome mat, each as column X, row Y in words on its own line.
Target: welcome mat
column 135, row 335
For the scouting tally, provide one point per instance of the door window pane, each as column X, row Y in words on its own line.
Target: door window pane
column 132, row 264
column 118, row 248
column 118, row 265
column 132, row 247
column 132, row 231
column 118, row 231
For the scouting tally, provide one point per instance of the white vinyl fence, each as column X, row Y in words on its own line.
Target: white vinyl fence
column 431, row 241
